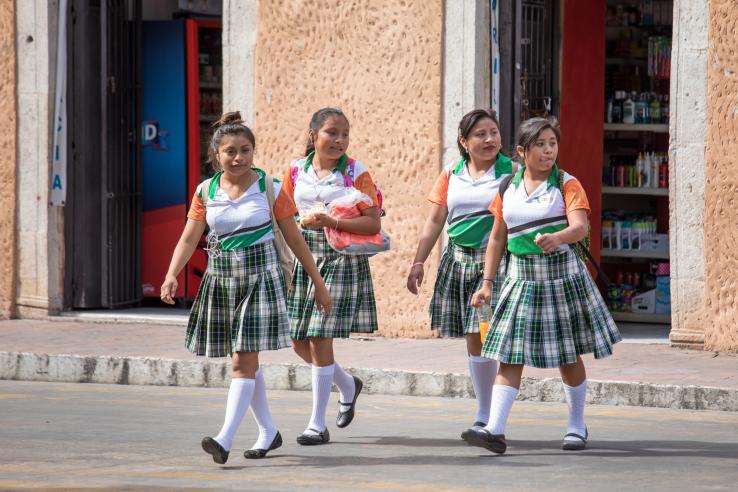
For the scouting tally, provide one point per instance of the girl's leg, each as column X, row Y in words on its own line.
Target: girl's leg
column 302, row 348
column 506, row 389
column 574, row 377
column 240, row 392
column 267, row 430
column 482, row 372
column 321, row 353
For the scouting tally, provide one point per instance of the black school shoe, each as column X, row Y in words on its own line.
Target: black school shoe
column 345, row 418
column 484, row 439
column 314, row 439
column 213, row 447
column 574, row 442
column 475, row 426
column 255, row 454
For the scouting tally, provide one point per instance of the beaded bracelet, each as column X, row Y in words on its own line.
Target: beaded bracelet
column 488, row 279
column 416, row 264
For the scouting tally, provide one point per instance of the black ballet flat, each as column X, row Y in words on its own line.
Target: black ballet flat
column 255, row 454
column 484, row 439
column 213, row 447
column 314, row 439
column 345, row 418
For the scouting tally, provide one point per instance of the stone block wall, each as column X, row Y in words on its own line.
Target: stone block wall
column 721, row 179
column 380, row 62
column 8, row 109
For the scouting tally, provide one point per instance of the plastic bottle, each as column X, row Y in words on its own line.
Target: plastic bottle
column 617, row 108
column 665, row 109
column 625, row 234
column 639, row 170
column 641, row 110
column 617, row 231
column 628, row 111
column 635, row 235
column 655, row 165
column 664, row 174
column 654, row 109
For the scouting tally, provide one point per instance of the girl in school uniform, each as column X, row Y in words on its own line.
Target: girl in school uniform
column 240, row 308
column 461, row 197
column 324, row 174
column 549, row 311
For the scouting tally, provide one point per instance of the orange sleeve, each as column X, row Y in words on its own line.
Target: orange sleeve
column 287, row 187
column 496, row 207
column 365, row 184
column 575, row 197
column 284, row 206
column 439, row 193
column 197, row 210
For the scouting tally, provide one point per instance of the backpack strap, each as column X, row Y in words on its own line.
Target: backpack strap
column 205, row 191
column 579, row 245
column 505, row 184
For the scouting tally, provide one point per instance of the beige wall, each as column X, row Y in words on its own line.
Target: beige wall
column 7, row 157
column 380, row 62
column 721, row 180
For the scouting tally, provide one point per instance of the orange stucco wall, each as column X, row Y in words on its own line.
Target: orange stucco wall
column 380, row 62
column 7, row 157
column 721, row 180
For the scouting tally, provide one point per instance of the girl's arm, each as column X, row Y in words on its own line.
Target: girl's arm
column 576, row 231
column 428, row 237
column 492, row 257
column 182, row 253
column 368, row 224
column 299, row 247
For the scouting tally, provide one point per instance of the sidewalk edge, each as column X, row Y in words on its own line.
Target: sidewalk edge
column 216, row 373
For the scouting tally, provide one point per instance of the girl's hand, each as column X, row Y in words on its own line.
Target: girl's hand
column 547, row 242
column 415, row 278
column 324, row 220
column 323, row 299
column 169, row 289
column 482, row 296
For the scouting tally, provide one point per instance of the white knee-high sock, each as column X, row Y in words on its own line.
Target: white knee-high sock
column 576, row 397
column 322, row 383
column 239, row 397
column 483, row 372
column 346, row 385
column 260, row 409
column 502, row 400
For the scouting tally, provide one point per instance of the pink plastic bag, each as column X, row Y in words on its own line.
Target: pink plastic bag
column 349, row 243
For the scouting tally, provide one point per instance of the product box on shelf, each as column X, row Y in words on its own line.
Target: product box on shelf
column 663, row 295
column 644, row 303
column 655, row 242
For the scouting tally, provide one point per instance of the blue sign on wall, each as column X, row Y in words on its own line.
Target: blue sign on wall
column 163, row 130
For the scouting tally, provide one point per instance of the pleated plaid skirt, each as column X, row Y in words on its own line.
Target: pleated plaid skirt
column 349, row 282
column 459, row 276
column 549, row 312
column 241, row 304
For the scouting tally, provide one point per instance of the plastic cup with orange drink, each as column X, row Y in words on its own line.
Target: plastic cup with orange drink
column 484, row 313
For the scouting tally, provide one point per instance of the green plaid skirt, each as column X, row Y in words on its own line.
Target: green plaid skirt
column 549, row 312
column 241, row 304
column 459, row 276
column 349, row 282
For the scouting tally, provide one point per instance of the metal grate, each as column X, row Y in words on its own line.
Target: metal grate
column 536, row 58
column 121, row 182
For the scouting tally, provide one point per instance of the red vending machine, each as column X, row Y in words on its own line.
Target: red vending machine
column 182, row 97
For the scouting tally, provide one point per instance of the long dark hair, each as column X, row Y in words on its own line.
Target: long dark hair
column 228, row 124
column 467, row 123
column 316, row 123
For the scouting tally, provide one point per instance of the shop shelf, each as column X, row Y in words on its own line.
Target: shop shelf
column 634, row 253
column 211, row 85
column 626, row 61
column 641, row 318
column 621, row 190
column 650, row 127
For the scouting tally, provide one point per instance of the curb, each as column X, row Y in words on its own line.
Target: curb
column 211, row 373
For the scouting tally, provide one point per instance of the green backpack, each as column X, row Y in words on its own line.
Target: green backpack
column 581, row 247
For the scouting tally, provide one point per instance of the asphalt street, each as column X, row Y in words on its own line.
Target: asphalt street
column 89, row 436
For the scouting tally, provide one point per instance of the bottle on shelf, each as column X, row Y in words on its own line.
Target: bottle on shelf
column 628, row 110
column 654, row 109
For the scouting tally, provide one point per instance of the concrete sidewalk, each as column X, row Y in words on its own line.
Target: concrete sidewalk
column 68, row 350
